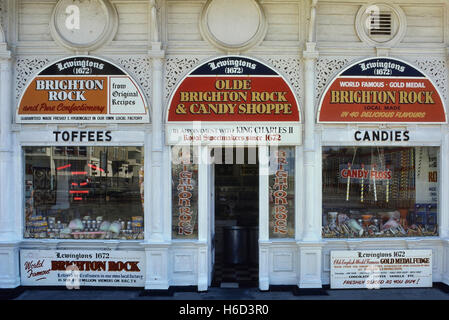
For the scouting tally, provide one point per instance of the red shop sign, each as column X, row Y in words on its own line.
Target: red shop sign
column 233, row 89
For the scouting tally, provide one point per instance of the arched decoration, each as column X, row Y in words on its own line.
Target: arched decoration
column 237, row 95
column 381, row 90
column 82, row 89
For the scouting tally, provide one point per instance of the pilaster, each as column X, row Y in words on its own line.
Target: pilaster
column 310, row 257
column 311, row 232
column 157, row 259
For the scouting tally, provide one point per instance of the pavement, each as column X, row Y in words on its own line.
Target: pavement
column 225, row 303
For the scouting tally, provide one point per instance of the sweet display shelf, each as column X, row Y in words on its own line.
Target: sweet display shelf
column 88, row 232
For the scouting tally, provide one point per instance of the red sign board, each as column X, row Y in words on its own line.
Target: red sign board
column 381, row 90
column 233, row 89
column 82, row 89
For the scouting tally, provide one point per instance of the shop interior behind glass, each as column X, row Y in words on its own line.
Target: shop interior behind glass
column 77, row 192
column 380, row 191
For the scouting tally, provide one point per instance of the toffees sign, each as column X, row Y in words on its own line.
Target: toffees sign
column 381, row 90
column 233, row 99
column 82, row 89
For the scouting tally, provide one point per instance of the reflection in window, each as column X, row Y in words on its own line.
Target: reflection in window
column 380, row 191
column 84, row 193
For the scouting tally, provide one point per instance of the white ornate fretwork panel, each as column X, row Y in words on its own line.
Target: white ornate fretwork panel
column 175, row 69
column 25, row 69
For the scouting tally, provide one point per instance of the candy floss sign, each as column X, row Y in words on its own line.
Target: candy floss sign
column 374, row 269
column 88, row 268
column 82, row 89
column 381, row 90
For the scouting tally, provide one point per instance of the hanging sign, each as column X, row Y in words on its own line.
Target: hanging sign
column 381, row 90
column 233, row 99
column 82, row 89
column 374, row 269
column 74, row 268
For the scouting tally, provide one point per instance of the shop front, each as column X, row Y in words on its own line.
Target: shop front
column 233, row 126
column 81, row 155
column 223, row 143
column 381, row 175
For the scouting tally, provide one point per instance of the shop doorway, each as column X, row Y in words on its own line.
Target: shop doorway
column 236, row 218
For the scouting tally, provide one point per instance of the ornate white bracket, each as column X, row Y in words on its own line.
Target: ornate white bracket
column 311, row 35
column 4, row 52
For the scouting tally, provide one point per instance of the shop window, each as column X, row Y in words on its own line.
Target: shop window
column 282, row 192
column 70, row 193
column 184, row 193
column 380, row 192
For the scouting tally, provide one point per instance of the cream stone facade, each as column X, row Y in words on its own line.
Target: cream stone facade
column 158, row 43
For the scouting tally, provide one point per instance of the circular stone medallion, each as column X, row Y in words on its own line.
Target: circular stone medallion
column 233, row 24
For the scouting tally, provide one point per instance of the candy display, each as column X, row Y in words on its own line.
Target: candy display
column 379, row 192
column 40, row 227
column 84, row 193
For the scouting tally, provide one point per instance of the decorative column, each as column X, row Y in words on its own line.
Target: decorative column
column 204, row 236
column 156, row 244
column 157, row 205
column 264, row 219
column 310, row 245
column 444, row 188
column 9, row 237
column 443, row 229
column 310, row 148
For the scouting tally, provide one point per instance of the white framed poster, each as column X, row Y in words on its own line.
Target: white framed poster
column 116, row 268
column 374, row 269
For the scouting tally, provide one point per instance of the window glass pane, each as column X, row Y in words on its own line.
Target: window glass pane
column 380, row 191
column 282, row 192
column 83, row 193
column 184, row 193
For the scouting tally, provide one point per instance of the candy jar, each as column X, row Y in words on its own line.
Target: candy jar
column 403, row 217
column 332, row 220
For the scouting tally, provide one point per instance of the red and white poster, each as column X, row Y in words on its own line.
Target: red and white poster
column 233, row 99
column 381, row 90
column 82, row 89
